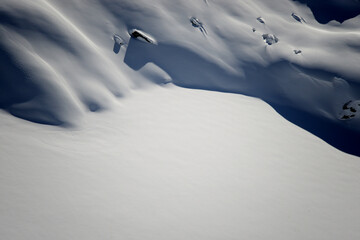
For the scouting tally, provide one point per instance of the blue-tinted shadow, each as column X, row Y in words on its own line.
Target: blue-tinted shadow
column 189, row 69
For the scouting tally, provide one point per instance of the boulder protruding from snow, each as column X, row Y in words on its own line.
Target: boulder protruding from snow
column 260, row 20
column 270, row 39
column 350, row 110
column 198, row 24
column 142, row 36
column 297, row 18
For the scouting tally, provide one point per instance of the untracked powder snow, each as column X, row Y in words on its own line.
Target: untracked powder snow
column 139, row 119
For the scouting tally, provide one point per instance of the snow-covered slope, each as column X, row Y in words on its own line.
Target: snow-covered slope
column 59, row 58
column 165, row 162
column 175, row 163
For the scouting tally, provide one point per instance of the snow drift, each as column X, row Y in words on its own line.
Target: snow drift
column 59, row 59
column 166, row 162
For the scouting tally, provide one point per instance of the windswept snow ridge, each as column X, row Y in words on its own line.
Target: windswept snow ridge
column 58, row 60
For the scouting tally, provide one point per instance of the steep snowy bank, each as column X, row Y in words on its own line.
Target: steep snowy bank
column 59, row 58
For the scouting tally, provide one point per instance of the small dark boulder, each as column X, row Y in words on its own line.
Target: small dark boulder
column 137, row 34
column 297, row 17
column 270, row 38
column 346, row 105
column 260, row 20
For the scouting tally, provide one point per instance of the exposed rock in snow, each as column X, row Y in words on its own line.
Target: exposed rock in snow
column 197, row 24
column 142, row 36
column 297, row 18
column 350, row 110
column 260, row 20
column 270, row 38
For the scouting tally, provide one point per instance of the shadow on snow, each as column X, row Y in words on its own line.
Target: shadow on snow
column 297, row 93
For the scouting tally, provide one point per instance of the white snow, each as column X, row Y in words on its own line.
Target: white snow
column 65, row 47
column 127, row 153
column 174, row 163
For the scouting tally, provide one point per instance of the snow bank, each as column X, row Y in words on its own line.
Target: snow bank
column 64, row 53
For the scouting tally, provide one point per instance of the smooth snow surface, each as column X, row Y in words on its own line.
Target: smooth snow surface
column 131, row 144
column 175, row 163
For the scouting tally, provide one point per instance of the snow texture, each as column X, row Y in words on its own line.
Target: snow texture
column 57, row 64
column 130, row 146
column 175, row 163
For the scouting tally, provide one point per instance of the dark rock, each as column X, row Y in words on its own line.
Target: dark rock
column 136, row 34
column 261, row 20
column 198, row 24
column 297, row 17
column 346, row 105
column 270, row 38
